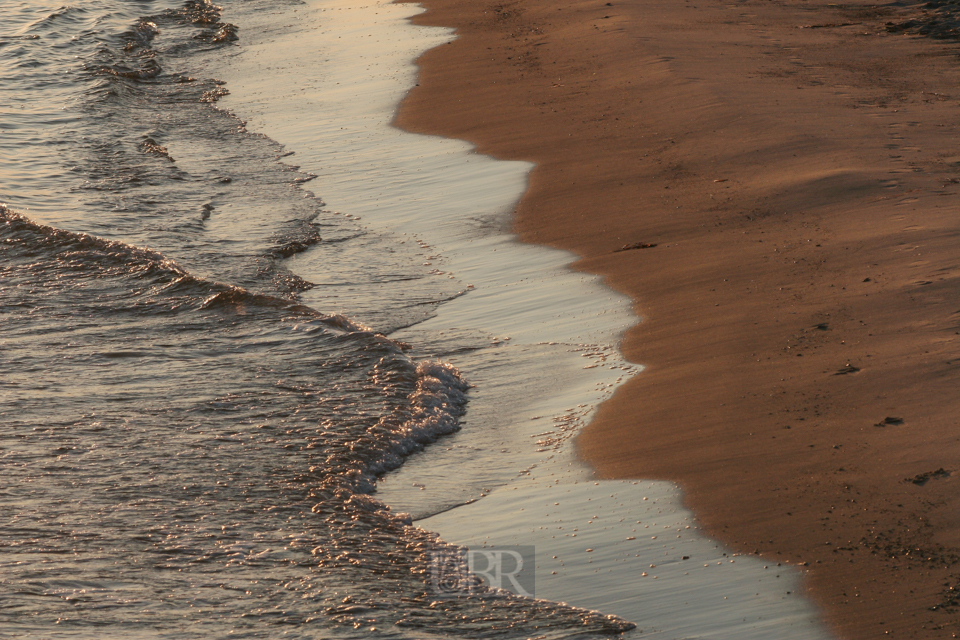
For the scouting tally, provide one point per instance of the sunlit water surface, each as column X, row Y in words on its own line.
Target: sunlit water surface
column 187, row 449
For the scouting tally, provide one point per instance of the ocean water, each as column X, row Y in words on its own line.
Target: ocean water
column 264, row 357
column 187, row 448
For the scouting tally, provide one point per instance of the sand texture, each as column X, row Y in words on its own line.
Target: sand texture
column 776, row 186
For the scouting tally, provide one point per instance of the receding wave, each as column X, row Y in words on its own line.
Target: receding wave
column 192, row 447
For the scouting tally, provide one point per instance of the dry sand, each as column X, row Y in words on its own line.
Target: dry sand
column 796, row 166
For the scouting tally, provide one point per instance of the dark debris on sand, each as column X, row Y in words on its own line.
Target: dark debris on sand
column 939, row 19
column 922, row 478
column 636, row 245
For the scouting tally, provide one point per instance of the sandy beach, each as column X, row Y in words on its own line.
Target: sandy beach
column 775, row 185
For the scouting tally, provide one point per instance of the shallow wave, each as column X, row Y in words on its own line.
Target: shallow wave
column 181, row 446
column 81, row 252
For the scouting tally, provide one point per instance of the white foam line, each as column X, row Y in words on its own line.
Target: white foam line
column 324, row 79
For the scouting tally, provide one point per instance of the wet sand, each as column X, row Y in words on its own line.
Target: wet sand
column 783, row 179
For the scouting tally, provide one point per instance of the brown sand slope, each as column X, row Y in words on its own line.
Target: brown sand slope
column 797, row 168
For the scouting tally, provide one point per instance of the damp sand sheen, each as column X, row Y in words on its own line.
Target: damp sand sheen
column 324, row 79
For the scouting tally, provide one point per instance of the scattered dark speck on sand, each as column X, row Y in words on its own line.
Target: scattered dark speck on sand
column 830, row 25
column 636, row 245
column 922, row 478
column 889, row 420
column 845, row 369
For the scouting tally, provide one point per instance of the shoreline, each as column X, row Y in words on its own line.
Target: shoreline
column 793, row 167
column 534, row 337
